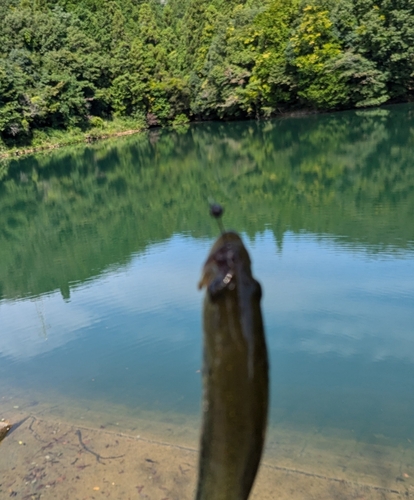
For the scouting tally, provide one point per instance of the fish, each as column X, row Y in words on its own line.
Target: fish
column 235, row 374
column 4, row 429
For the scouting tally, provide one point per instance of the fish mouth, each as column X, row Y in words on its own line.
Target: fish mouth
column 220, row 269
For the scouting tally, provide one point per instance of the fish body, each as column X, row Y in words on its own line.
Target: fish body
column 235, row 374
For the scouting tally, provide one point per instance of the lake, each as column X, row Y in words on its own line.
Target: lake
column 101, row 249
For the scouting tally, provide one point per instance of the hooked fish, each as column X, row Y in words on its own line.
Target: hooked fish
column 235, row 374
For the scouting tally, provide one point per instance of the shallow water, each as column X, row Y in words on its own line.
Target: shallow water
column 101, row 250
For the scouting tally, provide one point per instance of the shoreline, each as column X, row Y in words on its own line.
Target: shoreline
column 97, row 135
column 93, row 135
column 87, row 138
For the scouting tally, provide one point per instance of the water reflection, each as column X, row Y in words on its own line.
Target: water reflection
column 77, row 211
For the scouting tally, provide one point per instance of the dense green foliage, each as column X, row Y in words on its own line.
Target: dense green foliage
column 73, row 63
column 75, row 212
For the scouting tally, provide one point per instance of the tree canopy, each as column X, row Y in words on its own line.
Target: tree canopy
column 67, row 63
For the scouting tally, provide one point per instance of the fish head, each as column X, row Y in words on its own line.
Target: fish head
column 227, row 263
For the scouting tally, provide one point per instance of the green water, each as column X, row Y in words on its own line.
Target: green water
column 101, row 249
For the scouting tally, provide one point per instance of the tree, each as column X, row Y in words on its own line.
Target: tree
column 270, row 84
column 314, row 50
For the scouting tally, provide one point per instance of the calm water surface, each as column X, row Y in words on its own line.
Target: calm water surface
column 101, row 249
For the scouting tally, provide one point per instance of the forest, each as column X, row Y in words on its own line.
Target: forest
column 79, row 64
